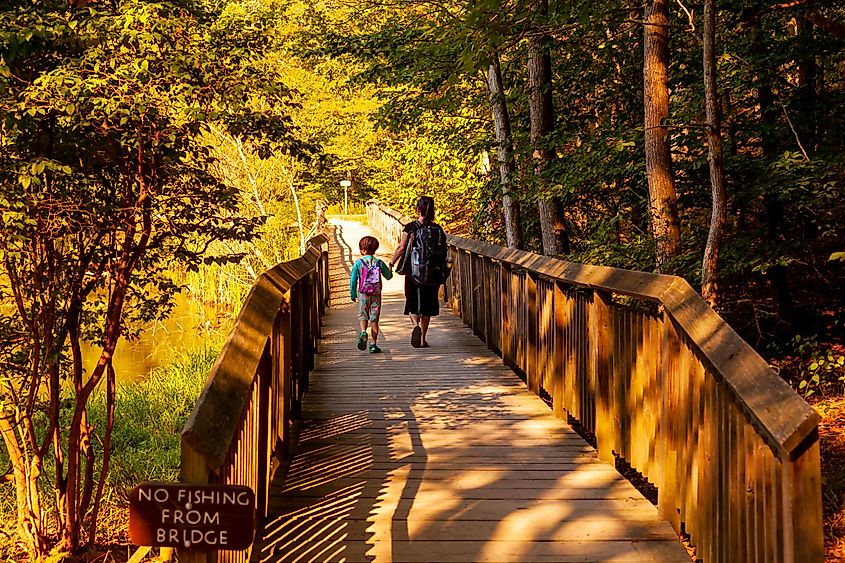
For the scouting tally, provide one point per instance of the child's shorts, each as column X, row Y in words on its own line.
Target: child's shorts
column 369, row 307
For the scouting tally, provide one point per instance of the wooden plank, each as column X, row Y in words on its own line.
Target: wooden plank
column 708, row 489
column 602, row 341
column 694, row 504
column 590, row 362
column 802, row 497
column 507, row 315
column 406, row 551
column 489, row 289
column 532, row 334
column 650, row 396
column 668, row 445
column 558, row 386
column 684, row 428
column 375, row 530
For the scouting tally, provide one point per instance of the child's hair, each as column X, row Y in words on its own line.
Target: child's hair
column 425, row 207
column 368, row 245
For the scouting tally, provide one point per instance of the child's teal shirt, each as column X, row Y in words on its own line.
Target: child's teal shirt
column 356, row 273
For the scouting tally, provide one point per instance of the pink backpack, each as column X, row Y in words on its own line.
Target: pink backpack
column 370, row 281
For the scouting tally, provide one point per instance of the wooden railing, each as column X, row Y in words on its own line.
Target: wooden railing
column 239, row 427
column 643, row 363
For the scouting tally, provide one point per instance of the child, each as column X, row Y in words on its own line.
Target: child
column 365, row 282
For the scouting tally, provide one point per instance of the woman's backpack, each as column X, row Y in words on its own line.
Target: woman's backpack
column 428, row 255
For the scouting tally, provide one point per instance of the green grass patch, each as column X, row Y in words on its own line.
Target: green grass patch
column 149, row 418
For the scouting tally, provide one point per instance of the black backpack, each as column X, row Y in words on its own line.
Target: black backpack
column 428, row 255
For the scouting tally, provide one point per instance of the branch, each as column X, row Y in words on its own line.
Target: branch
column 794, row 132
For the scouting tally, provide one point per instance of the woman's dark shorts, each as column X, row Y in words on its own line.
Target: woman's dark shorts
column 421, row 299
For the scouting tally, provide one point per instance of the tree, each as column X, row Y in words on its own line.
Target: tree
column 502, row 124
column 549, row 208
column 663, row 199
column 104, row 185
column 715, row 158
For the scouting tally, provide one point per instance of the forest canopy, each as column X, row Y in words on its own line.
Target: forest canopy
column 149, row 146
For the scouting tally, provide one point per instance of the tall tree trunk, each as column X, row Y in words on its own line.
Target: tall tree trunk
column 552, row 225
column 502, row 123
column 715, row 158
column 663, row 199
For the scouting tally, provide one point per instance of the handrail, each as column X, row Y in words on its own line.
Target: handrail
column 239, row 426
column 731, row 448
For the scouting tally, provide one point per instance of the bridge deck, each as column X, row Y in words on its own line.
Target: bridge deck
column 442, row 454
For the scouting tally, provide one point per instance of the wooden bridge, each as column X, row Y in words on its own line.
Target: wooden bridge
column 464, row 451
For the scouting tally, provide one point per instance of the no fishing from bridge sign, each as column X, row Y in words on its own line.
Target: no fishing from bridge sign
column 201, row 517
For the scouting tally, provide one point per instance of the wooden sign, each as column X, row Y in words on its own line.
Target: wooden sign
column 200, row 517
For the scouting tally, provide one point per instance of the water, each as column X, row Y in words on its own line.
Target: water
column 190, row 326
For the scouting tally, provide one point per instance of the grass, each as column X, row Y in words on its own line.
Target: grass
column 149, row 417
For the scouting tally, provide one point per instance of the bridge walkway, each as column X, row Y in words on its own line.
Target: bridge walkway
column 441, row 454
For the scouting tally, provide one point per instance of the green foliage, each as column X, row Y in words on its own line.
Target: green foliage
column 782, row 130
column 823, row 372
column 107, row 186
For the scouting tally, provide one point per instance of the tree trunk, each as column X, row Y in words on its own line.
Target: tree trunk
column 552, row 224
column 663, row 199
column 502, row 123
column 715, row 158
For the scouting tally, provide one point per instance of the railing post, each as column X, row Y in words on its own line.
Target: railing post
column 507, row 314
column 282, row 367
column 557, row 363
column 532, row 375
column 466, row 288
column 489, row 326
column 803, row 526
column 193, row 469
column 296, row 338
column 455, row 281
column 473, row 293
column 667, row 504
column 602, row 342
column 265, row 443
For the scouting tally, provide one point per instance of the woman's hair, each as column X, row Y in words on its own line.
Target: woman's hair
column 425, row 207
column 368, row 245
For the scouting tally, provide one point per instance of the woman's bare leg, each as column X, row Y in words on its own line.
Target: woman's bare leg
column 424, row 327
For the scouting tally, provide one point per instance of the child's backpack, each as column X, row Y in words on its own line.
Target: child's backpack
column 428, row 255
column 370, row 283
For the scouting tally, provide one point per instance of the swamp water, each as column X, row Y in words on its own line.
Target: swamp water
column 189, row 327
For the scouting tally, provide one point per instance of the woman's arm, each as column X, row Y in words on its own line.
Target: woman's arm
column 399, row 249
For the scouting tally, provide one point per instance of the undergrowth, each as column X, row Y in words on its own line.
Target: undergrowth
column 149, row 416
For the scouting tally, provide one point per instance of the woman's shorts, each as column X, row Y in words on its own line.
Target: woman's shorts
column 421, row 299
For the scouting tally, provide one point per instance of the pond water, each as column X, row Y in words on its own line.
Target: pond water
column 190, row 326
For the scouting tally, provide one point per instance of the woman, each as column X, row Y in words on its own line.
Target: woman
column 421, row 301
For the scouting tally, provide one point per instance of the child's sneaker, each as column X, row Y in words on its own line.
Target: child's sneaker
column 362, row 340
column 374, row 349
